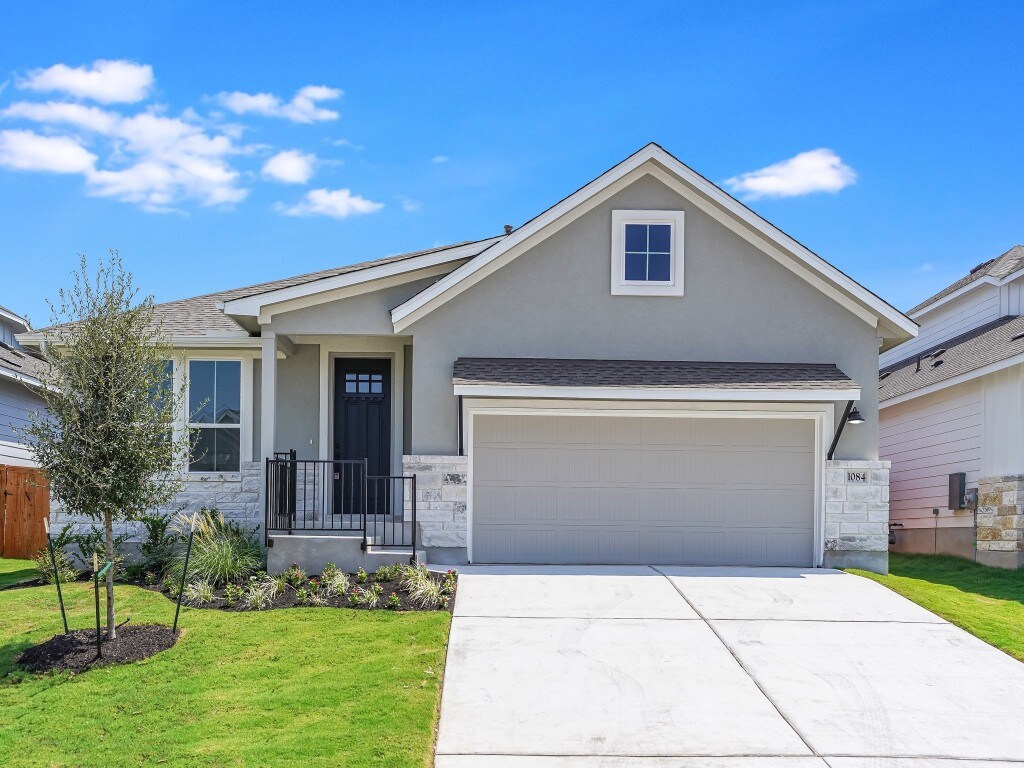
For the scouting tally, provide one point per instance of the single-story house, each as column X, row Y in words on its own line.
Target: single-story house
column 20, row 369
column 952, row 419
column 645, row 372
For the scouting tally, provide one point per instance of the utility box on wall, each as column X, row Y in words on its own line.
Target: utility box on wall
column 957, row 490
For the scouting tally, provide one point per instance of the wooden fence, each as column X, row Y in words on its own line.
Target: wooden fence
column 24, row 504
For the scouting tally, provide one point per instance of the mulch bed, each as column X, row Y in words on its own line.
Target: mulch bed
column 289, row 598
column 76, row 651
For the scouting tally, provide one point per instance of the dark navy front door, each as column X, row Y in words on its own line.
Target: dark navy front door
column 362, row 430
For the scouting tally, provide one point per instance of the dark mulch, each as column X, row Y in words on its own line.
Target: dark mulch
column 76, row 651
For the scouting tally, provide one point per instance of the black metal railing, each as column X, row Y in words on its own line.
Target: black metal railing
column 326, row 496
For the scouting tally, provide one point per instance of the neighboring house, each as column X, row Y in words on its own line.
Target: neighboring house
column 646, row 372
column 952, row 402
column 19, row 385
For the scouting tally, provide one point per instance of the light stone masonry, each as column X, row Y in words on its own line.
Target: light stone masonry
column 441, row 492
column 856, row 510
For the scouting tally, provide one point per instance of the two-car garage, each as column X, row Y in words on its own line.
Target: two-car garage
column 655, row 488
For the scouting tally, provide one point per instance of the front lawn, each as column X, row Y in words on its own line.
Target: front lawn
column 13, row 571
column 987, row 602
column 303, row 686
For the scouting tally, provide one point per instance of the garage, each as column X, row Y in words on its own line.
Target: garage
column 660, row 487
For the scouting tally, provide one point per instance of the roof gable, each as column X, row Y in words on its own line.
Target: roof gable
column 653, row 160
column 993, row 272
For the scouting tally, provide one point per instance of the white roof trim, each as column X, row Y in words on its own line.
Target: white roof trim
column 252, row 306
column 899, row 325
column 986, row 280
column 962, row 378
column 10, row 316
column 23, row 378
column 659, row 393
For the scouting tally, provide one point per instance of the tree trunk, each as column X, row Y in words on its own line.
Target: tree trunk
column 108, row 529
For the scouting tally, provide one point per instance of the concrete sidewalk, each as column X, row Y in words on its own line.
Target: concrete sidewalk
column 571, row 667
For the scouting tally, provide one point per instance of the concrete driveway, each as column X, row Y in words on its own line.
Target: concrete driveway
column 716, row 668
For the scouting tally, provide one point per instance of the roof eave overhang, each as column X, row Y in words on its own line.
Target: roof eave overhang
column 21, row 378
column 263, row 306
column 682, row 394
column 972, row 286
column 652, row 159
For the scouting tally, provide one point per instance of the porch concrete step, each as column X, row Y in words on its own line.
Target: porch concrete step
column 312, row 553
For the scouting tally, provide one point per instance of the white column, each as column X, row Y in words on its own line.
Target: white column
column 268, row 395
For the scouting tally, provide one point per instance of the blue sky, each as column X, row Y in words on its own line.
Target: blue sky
column 403, row 126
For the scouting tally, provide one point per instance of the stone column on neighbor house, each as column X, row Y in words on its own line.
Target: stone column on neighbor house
column 441, row 493
column 1000, row 539
column 857, row 514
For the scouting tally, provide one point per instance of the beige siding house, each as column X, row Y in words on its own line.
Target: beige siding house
column 645, row 372
column 952, row 402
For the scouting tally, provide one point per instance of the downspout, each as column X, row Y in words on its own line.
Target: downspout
column 839, row 432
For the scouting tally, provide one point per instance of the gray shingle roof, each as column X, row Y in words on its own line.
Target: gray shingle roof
column 669, row 374
column 999, row 267
column 992, row 342
column 20, row 361
column 199, row 315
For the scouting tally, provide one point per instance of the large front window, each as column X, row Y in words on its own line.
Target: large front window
column 214, row 405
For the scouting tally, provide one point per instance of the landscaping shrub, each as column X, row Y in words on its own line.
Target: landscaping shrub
column 198, row 593
column 232, row 594
column 333, row 581
column 44, row 567
column 394, row 601
column 369, row 597
column 427, row 594
column 157, row 550
column 222, row 551
column 388, row 572
column 362, row 576
column 295, row 576
column 412, row 576
column 93, row 541
column 259, row 594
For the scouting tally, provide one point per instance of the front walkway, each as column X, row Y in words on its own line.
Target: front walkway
column 674, row 667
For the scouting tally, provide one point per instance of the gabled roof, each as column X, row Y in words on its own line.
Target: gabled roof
column 653, row 159
column 994, row 344
column 13, row 318
column 998, row 268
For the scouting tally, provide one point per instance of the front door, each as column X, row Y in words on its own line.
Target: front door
column 362, row 430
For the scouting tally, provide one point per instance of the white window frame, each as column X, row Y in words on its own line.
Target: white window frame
column 245, row 419
column 622, row 287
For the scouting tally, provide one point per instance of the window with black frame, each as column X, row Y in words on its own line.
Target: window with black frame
column 214, row 404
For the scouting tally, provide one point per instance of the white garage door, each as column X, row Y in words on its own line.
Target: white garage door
column 636, row 489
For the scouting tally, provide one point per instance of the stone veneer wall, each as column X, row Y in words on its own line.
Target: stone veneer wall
column 235, row 494
column 441, row 493
column 1001, row 521
column 857, row 514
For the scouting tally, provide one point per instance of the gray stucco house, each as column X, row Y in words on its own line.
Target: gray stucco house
column 645, row 372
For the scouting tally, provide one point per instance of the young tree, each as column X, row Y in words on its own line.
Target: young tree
column 108, row 443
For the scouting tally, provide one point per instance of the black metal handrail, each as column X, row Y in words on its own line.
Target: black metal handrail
column 328, row 496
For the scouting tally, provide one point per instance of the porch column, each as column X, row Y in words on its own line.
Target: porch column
column 268, row 395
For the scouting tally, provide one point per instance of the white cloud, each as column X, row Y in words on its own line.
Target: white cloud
column 439, row 159
column 27, row 151
column 290, row 167
column 819, row 170
column 108, row 82
column 410, row 205
column 336, row 203
column 165, row 159
column 302, row 108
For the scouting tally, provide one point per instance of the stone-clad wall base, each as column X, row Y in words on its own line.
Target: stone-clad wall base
column 441, row 494
column 857, row 514
column 1001, row 521
column 236, row 495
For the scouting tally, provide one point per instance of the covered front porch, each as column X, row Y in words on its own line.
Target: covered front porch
column 332, row 412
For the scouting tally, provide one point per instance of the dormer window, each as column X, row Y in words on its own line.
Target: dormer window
column 647, row 253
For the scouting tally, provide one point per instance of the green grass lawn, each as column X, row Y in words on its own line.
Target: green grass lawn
column 14, row 571
column 298, row 687
column 987, row 602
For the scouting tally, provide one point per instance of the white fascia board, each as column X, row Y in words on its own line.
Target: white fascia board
column 18, row 320
column 986, row 280
column 940, row 385
column 441, row 291
column 251, row 305
column 659, row 393
column 31, row 381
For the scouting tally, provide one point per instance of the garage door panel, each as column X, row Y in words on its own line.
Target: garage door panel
column 628, row 489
